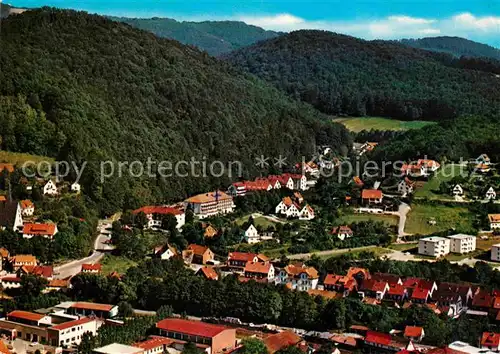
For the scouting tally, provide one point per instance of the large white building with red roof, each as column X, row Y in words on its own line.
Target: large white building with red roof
column 155, row 215
column 41, row 230
column 71, row 332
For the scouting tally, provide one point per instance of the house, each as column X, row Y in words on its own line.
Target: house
column 491, row 341
column 155, row 215
column 57, row 285
column 414, row 333
column 414, row 284
column 210, row 232
column 208, row 273
column 259, row 185
column 461, row 243
column 11, row 282
column 298, row 277
column 71, row 332
column 237, row 189
column 210, row 204
column 434, row 246
column 420, row 295
column 165, row 252
column 465, row 291
column 495, row 253
column 373, row 288
column 282, row 340
column 342, row 232
column 75, row 187
column 362, row 149
column 42, row 271
column 494, row 221
column 154, row 345
column 11, row 216
column 378, row 340
column 414, row 170
column 217, row 338
column 482, row 168
column 397, row 293
column 491, row 194
column 50, row 188
column 406, row 186
column 238, row 260
column 340, row 284
column 27, row 207
column 448, row 302
column 41, row 230
column 288, row 207
column 483, row 301
column 259, row 270
column 273, row 180
column 117, row 348
column 391, row 279
column 360, row 274
column 307, row 213
column 23, row 260
column 458, row 190
column 93, row 309
column 371, row 196
column 201, row 254
column 483, row 159
column 252, row 235
column 91, row 268
column 429, row 165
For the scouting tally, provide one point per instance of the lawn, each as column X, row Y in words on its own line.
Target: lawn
column 357, row 124
column 458, row 218
column 444, row 174
column 17, row 158
column 258, row 221
column 378, row 251
column 391, row 220
column 117, row 264
column 403, row 247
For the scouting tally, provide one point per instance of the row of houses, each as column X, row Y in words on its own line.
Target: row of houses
column 293, row 207
column 286, row 180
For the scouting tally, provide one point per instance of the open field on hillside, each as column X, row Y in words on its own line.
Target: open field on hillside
column 259, row 221
column 17, row 158
column 446, row 218
column 357, row 124
column 390, row 220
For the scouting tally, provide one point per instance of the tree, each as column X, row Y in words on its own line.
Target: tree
column 87, row 344
column 290, row 350
column 32, row 285
column 141, row 220
column 190, row 348
column 125, row 309
column 169, row 222
column 253, row 346
column 164, row 311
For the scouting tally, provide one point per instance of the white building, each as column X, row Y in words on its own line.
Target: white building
column 494, row 221
column 298, row 277
column 406, row 186
column 155, row 215
column 495, row 253
column 458, row 190
column 75, row 187
column 307, row 213
column 68, row 333
column 434, row 246
column 27, row 207
column 462, row 243
column 252, row 235
column 117, row 348
column 50, row 188
column 491, row 194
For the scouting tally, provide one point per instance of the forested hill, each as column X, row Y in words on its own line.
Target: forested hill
column 344, row 75
column 214, row 37
column 6, row 10
column 83, row 87
column 455, row 46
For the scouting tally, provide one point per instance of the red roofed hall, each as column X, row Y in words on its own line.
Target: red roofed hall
column 220, row 338
column 43, row 230
column 93, row 309
column 154, row 344
column 25, row 317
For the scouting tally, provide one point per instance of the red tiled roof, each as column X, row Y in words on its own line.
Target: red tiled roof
column 92, row 306
column 197, row 249
column 25, row 315
column 258, row 267
column 74, row 323
column 193, row 328
column 295, row 270
column 6, row 166
column 241, row 256
column 4, row 349
column 482, row 300
column 42, row 271
column 91, row 267
column 353, row 271
column 374, row 285
column 342, row 230
column 11, row 279
column 496, row 302
column 389, row 278
column 397, row 289
column 420, row 294
column 150, row 209
column 26, row 203
column 490, row 339
column 58, row 283
column 209, row 273
column 413, row 331
column 371, row 194
column 345, row 340
column 39, row 229
column 332, row 279
column 282, row 340
column 153, row 342
column 378, row 338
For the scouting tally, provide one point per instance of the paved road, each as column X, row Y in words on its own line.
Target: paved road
column 403, row 211
column 74, row 267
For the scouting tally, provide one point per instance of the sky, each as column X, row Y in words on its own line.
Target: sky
column 477, row 20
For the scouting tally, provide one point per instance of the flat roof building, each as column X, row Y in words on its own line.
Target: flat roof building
column 434, row 246
column 117, row 348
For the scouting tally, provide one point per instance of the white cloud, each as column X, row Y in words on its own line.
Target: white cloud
column 280, row 21
column 410, row 20
column 469, row 21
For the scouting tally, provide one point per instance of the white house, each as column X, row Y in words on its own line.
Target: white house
column 252, row 235
column 343, row 232
column 494, row 221
column 495, row 253
column 462, row 243
column 75, row 187
column 165, row 252
column 307, row 213
column 68, row 333
column 50, row 188
column 298, row 276
column 406, row 186
column 434, row 246
column 155, row 215
column 27, row 207
column 458, row 190
column 288, row 207
column 491, row 194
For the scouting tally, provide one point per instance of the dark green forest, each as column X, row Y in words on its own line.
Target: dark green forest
column 343, row 75
column 454, row 45
column 81, row 87
column 214, row 37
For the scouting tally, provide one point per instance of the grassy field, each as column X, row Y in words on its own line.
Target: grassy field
column 357, row 124
column 379, row 251
column 259, row 221
column 17, row 158
column 403, row 246
column 391, row 220
column 446, row 218
column 446, row 173
column 112, row 264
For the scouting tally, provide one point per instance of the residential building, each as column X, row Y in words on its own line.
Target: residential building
column 371, row 196
column 373, row 288
column 91, row 268
column 210, row 232
column 422, row 168
column 208, row 273
column 165, row 252
column 200, row 254
column 396, row 293
column 458, row 190
column 406, row 186
column 307, row 213
column 495, row 253
column 210, row 204
column 280, row 341
column 448, row 302
column 50, row 188
column 491, row 341
column 491, row 194
column 422, row 286
column 414, row 333
column 40, row 270
column 462, row 243
column 252, row 235
column 154, row 345
column 27, row 207
column 237, row 189
column 259, row 185
column 10, row 282
column 218, row 338
column 390, row 279
column 117, row 348
column 40, row 230
column 71, row 332
column 434, row 246
column 29, row 326
column 298, row 277
column 93, row 309
column 342, row 232
column 379, row 340
column 288, row 208
column 11, row 216
column 340, row 283
column 23, row 260
column 483, row 159
column 259, row 270
column 155, row 215
column 494, row 221
column 429, row 165
column 238, row 260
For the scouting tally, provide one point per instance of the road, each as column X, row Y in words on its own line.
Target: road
column 100, row 246
column 403, row 210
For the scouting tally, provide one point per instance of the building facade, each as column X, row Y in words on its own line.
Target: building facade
column 462, row 243
column 434, row 246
